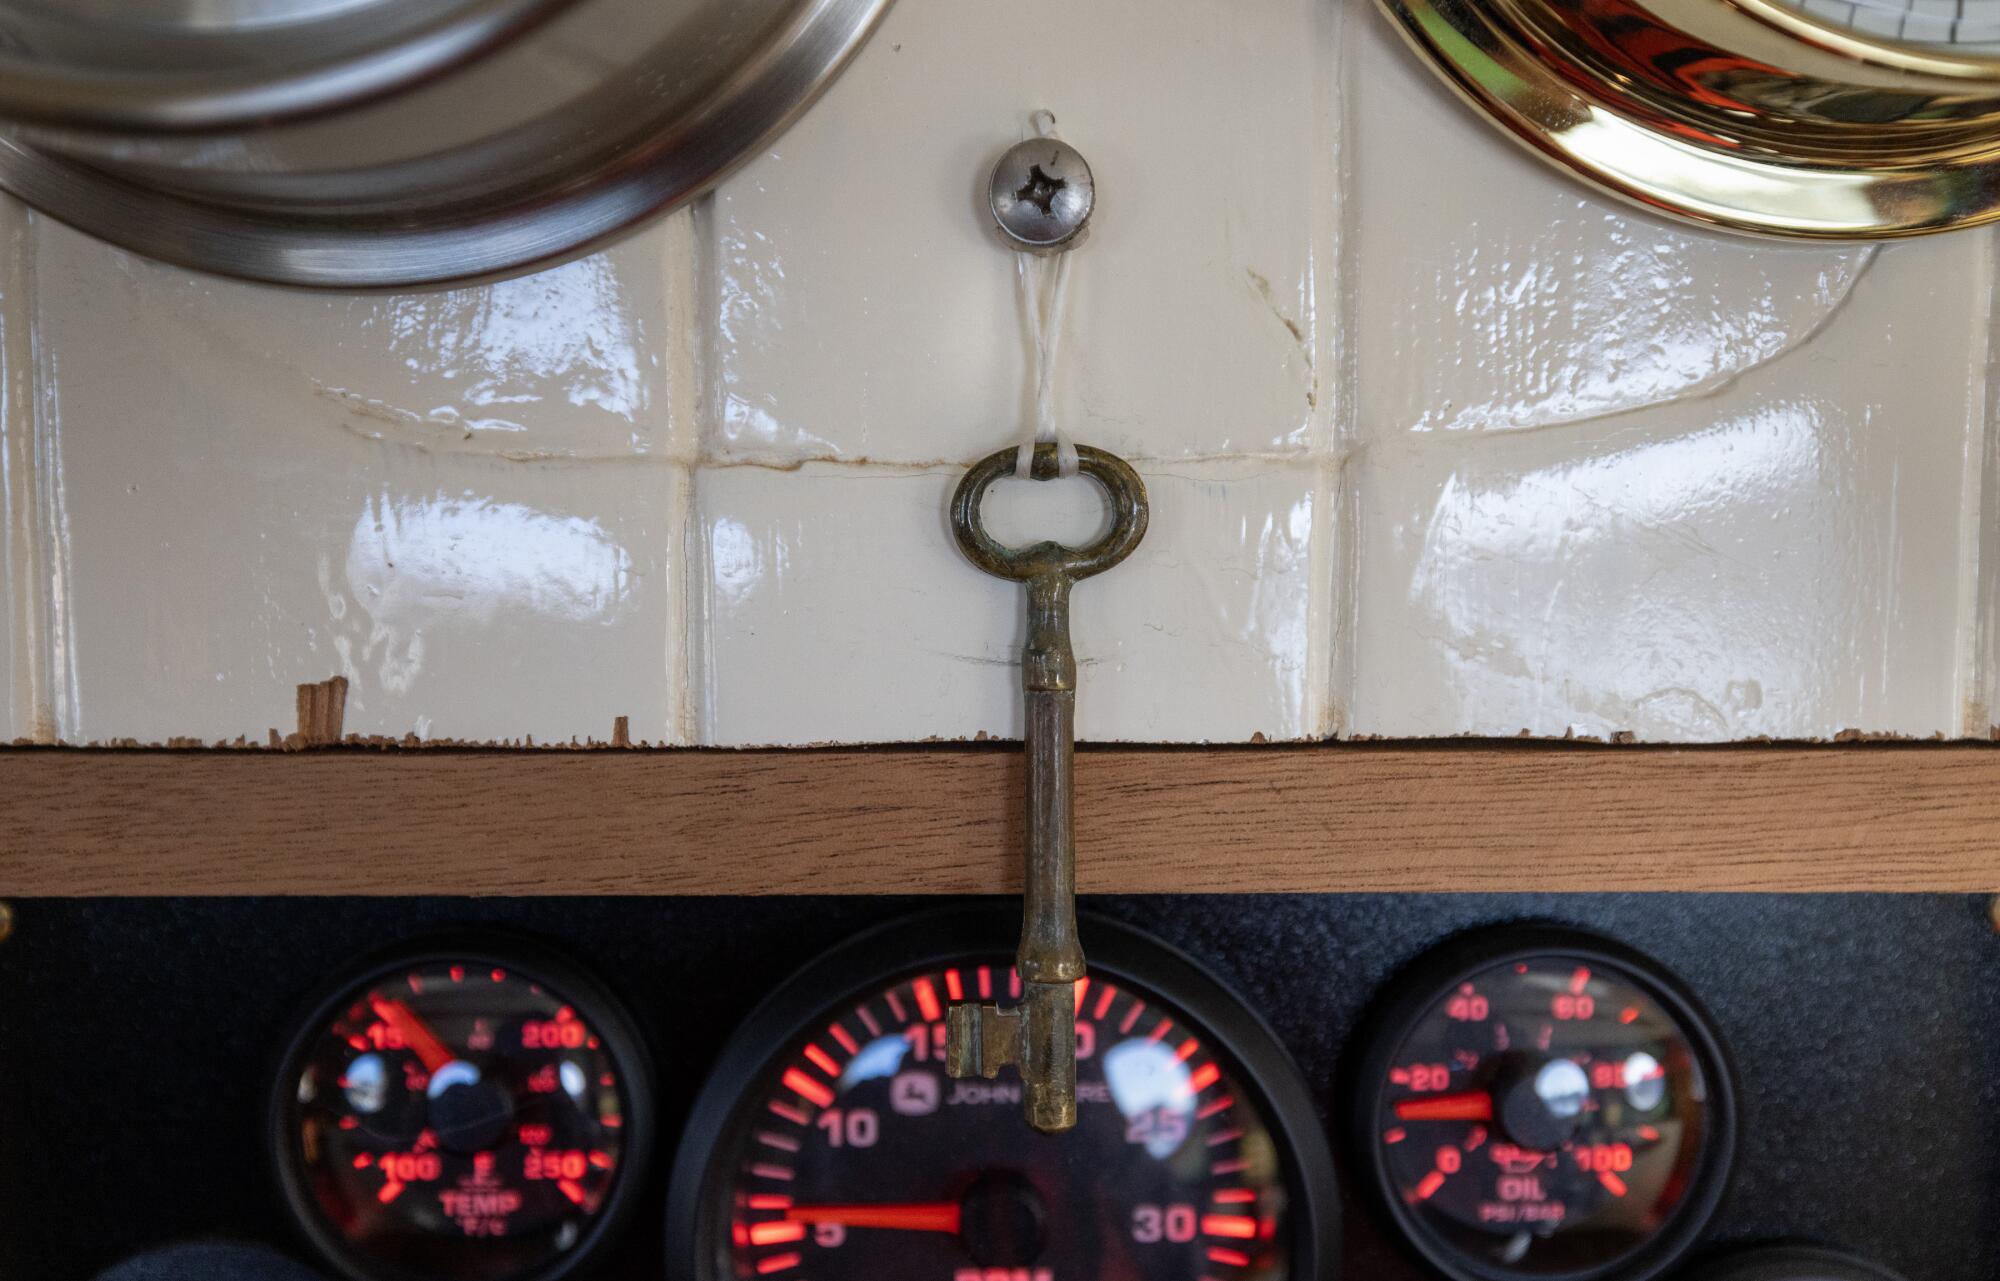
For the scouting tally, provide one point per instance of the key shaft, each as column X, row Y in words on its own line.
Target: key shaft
column 1038, row 1038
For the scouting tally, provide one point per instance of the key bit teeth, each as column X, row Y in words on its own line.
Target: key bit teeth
column 979, row 1040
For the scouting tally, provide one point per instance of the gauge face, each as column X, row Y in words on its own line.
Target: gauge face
column 1545, row 1106
column 461, row 1115
column 1971, row 27
column 848, row 1154
column 1793, row 1263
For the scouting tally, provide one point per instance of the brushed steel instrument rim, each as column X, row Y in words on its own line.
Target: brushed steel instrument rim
column 167, row 100
column 546, row 197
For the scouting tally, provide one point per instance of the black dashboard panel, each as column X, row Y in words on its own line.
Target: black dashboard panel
column 139, row 1040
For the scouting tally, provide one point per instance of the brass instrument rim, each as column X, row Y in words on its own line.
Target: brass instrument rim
column 1740, row 114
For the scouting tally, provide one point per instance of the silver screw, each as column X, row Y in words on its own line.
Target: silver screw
column 1042, row 194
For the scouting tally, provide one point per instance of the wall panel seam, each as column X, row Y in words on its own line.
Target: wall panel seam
column 1336, row 547
column 1979, row 595
column 44, row 679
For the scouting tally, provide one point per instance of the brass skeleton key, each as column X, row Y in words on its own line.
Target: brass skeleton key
column 1039, row 1036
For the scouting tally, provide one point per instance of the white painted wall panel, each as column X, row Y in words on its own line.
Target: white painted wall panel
column 839, row 608
column 1622, row 476
column 34, row 652
column 1439, row 441
column 460, row 502
column 21, row 577
column 1492, row 293
column 867, row 311
column 15, row 699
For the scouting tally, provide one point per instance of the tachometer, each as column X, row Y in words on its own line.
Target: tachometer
column 468, row 1114
column 829, row 1144
column 1542, row 1104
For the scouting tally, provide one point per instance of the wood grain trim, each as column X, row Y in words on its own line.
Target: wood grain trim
column 1449, row 816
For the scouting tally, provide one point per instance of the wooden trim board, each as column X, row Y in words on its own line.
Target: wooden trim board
column 1435, row 816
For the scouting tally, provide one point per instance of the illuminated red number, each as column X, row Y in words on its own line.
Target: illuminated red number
column 384, row 1037
column 1450, row 1160
column 1607, row 1076
column 1605, row 1158
column 411, row 1167
column 829, row 1235
column 1086, row 1040
column 540, row 1164
column 553, row 1034
column 1152, row 1224
column 852, row 1127
column 1468, row 1006
column 1429, row 1076
column 1566, row 1006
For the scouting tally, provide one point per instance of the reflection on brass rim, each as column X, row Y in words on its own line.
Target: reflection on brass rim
column 1735, row 113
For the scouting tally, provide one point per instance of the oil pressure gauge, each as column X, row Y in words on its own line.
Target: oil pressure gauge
column 462, row 1114
column 1543, row 1104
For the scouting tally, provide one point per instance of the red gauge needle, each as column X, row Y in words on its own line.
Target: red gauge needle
column 941, row 1216
column 415, row 1033
column 1446, row 1107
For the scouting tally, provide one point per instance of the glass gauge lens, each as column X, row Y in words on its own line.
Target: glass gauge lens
column 1793, row 1263
column 848, row 1154
column 464, row 1116
column 1544, row 1105
column 1971, row 28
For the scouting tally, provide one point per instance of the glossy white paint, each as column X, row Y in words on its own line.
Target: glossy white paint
column 1438, row 442
column 866, row 310
column 1621, row 476
column 838, row 607
column 1494, row 294
column 462, row 502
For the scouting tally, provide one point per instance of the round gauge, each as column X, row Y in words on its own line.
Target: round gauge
column 1541, row 1104
column 462, row 1113
column 1793, row 1263
column 829, row 1144
column 1916, row 22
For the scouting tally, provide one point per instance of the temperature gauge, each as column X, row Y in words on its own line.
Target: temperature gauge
column 462, row 1114
column 1541, row 1104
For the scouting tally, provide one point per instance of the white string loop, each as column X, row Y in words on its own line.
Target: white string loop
column 1044, row 294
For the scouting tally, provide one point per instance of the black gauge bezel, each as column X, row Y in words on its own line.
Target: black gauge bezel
column 913, row 945
column 540, row 964
column 1415, row 991
column 1792, row 1262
